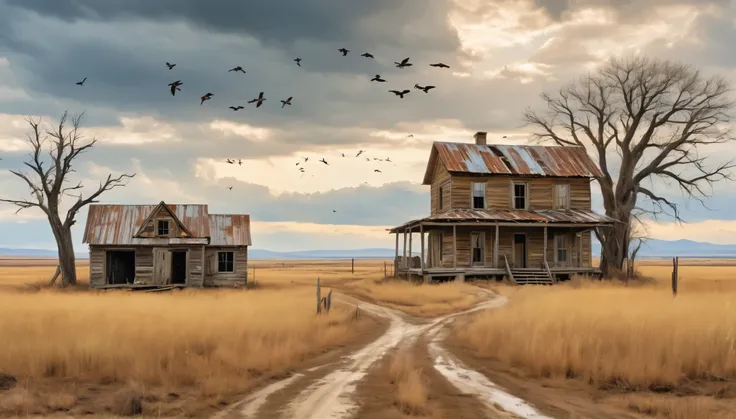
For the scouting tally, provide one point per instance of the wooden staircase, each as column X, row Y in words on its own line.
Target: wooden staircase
column 532, row 277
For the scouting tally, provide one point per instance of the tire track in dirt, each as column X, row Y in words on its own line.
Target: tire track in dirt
column 330, row 397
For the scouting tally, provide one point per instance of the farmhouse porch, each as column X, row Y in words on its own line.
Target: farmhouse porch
column 522, row 246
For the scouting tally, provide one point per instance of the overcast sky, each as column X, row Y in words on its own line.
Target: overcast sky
column 502, row 54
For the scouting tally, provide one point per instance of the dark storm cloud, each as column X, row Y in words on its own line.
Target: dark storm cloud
column 280, row 22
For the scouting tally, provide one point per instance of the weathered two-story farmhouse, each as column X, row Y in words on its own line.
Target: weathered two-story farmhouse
column 523, row 212
column 166, row 245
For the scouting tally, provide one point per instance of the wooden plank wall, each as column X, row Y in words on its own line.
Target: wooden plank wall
column 498, row 191
column 144, row 264
column 441, row 179
column 535, row 245
column 240, row 274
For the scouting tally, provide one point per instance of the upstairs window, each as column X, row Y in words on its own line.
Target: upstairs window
column 163, row 227
column 439, row 198
column 225, row 262
column 520, row 196
column 479, row 195
column 562, row 196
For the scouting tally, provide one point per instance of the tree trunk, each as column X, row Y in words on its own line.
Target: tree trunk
column 67, row 261
column 615, row 246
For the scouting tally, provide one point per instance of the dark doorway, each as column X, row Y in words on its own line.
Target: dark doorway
column 520, row 250
column 120, row 267
column 179, row 267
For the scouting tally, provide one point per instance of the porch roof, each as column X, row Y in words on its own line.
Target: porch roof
column 507, row 216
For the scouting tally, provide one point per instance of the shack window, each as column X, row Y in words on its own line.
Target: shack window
column 163, row 227
column 439, row 198
column 476, row 241
column 479, row 195
column 225, row 262
column 561, row 244
column 562, row 195
column 520, row 196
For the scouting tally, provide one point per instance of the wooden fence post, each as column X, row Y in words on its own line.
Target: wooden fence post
column 328, row 303
column 319, row 299
column 675, row 273
column 385, row 272
column 352, row 265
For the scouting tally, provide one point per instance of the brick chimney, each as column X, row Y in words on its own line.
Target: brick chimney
column 480, row 137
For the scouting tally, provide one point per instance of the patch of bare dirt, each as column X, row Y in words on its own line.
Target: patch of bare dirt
column 380, row 394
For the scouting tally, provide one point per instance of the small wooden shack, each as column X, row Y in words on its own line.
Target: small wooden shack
column 133, row 246
column 520, row 212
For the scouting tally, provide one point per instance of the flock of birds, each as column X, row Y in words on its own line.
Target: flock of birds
column 175, row 86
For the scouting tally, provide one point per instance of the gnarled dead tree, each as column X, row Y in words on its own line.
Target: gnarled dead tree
column 53, row 153
column 644, row 120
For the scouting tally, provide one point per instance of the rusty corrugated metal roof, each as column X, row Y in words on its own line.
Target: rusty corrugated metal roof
column 519, row 160
column 510, row 216
column 118, row 224
column 229, row 230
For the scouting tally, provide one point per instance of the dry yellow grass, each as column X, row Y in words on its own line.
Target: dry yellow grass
column 416, row 299
column 411, row 390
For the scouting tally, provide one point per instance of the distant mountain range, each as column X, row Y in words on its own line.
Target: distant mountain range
column 652, row 249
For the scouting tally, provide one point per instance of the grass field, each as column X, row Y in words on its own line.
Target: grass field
column 77, row 350
column 635, row 338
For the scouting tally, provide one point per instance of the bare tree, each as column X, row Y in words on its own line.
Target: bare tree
column 650, row 118
column 48, row 183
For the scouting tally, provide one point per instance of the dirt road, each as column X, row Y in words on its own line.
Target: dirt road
column 329, row 391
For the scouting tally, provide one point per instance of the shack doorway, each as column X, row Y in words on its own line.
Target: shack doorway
column 178, row 267
column 120, row 267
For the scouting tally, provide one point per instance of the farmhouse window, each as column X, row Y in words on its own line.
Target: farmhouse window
column 520, row 196
column 561, row 245
column 562, row 196
column 439, row 199
column 479, row 195
column 163, row 227
column 225, row 262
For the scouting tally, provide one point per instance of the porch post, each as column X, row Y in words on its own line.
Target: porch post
column 579, row 245
column 396, row 258
column 403, row 260
column 421, row 238
column 454, row 246
column 411, row 234
column 495, row 249
column 544, row 255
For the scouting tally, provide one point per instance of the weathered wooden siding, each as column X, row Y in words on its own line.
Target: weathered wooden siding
column 535, row 246
column 144, row 264
column 240, row 262
column 498, row 191
column 441, row 179
column 150, row 228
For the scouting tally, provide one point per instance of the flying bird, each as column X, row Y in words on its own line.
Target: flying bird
column 343, row 154
column 404, row 63
column 377, row 171
column 388, row 159
column 504, row 136
column 258, row 101
column 286, row 102
column 230, row 187
column 324, row 161
column 235, row 108
column 205, row 98
column 359, row 153
column 439, row 65
column 230, row 161
column 410, row 136
column 367, row 159
column 400, row 94
column 426, row 89
column 175, row 86
column 240, row 162
column 305, row 158
column 367, row 55
column 344, row 51
column 378, row 79
column 238, row 68
column 168, row 64
column 334, row 211
column 298, row 61
column 81, row 83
